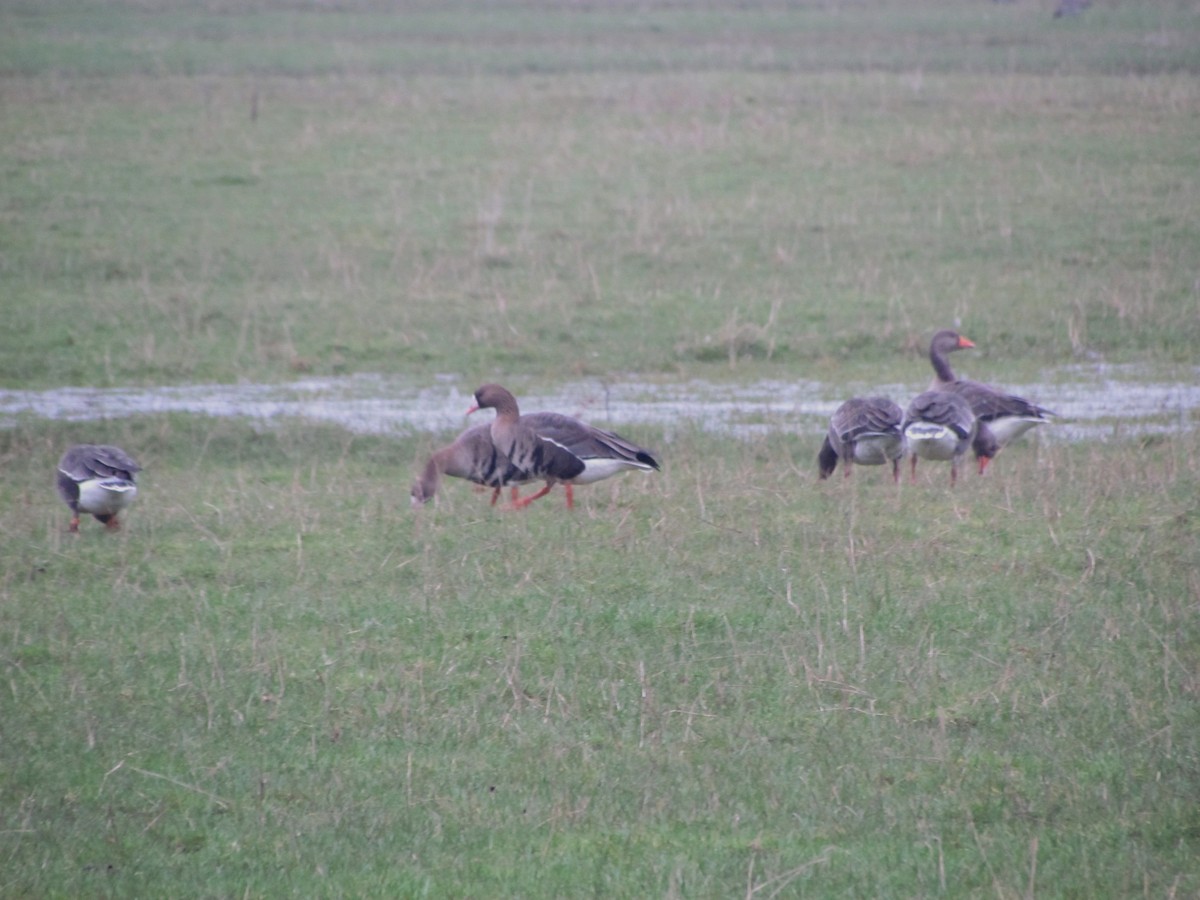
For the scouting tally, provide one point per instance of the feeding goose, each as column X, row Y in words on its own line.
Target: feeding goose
column 97, row 479
column 472, row 456
column 556, row 448
column 866, row 431
column 939, row 425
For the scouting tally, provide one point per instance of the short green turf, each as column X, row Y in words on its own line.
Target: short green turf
column 722, row 679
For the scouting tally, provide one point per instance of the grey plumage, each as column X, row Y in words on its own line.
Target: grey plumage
column 863, row 430
column 944, row 342
column 1006, row 415
column 939, row 425
column 98, row 479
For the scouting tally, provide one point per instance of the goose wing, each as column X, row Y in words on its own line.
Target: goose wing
column 942, row 408
column 86, row 461
column 862, row 417
column 588, row 442
column 989, row 403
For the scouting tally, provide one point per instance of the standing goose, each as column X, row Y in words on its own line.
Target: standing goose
column 863, row 430
column 556, row 448
column 97, row 479
column 939, row 425
column 472, row 456
column 1007, row 416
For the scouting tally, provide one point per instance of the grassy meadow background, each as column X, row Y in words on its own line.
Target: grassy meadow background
column 725, row 679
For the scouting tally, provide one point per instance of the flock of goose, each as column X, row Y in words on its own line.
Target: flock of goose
column 513, row 449
column 939, row 424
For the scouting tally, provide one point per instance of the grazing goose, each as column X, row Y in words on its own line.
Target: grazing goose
column 939, row 425
column 1006, row 415
column 863, row 430
column 97, row 479
column 556, row 448
column 472, row 456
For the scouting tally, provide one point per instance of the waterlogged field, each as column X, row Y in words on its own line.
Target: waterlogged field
column 722, row 679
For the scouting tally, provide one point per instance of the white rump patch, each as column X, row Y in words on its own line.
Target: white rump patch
column 928, row 431
column 106, row 496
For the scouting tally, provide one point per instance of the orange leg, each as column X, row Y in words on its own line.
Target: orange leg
column 515, row 492
column 74, row 527
column 983, row 463
column 521, row 504
column 914, row 469
column 113, row 524
column 570, row 496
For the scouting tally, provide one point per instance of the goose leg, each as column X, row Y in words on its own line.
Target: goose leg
column 524, row 502
column 570, row 496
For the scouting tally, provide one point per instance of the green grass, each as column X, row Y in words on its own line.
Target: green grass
column 813, row 186
column 723, row 679
column 704, row 681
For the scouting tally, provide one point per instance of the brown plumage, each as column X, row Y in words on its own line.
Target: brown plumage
column 556, row 448
column 472, row 456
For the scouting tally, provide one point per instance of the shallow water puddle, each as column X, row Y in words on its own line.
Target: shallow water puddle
column 1094, row 403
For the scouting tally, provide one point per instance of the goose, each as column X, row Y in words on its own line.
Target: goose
column 866, row 431
column 1006, row 415
column 472, row 456
column 97, row 479
column 556, row 448
column 939, row 425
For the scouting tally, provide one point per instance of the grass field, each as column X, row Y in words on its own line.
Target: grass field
column 196, row 196
column 725, row 679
